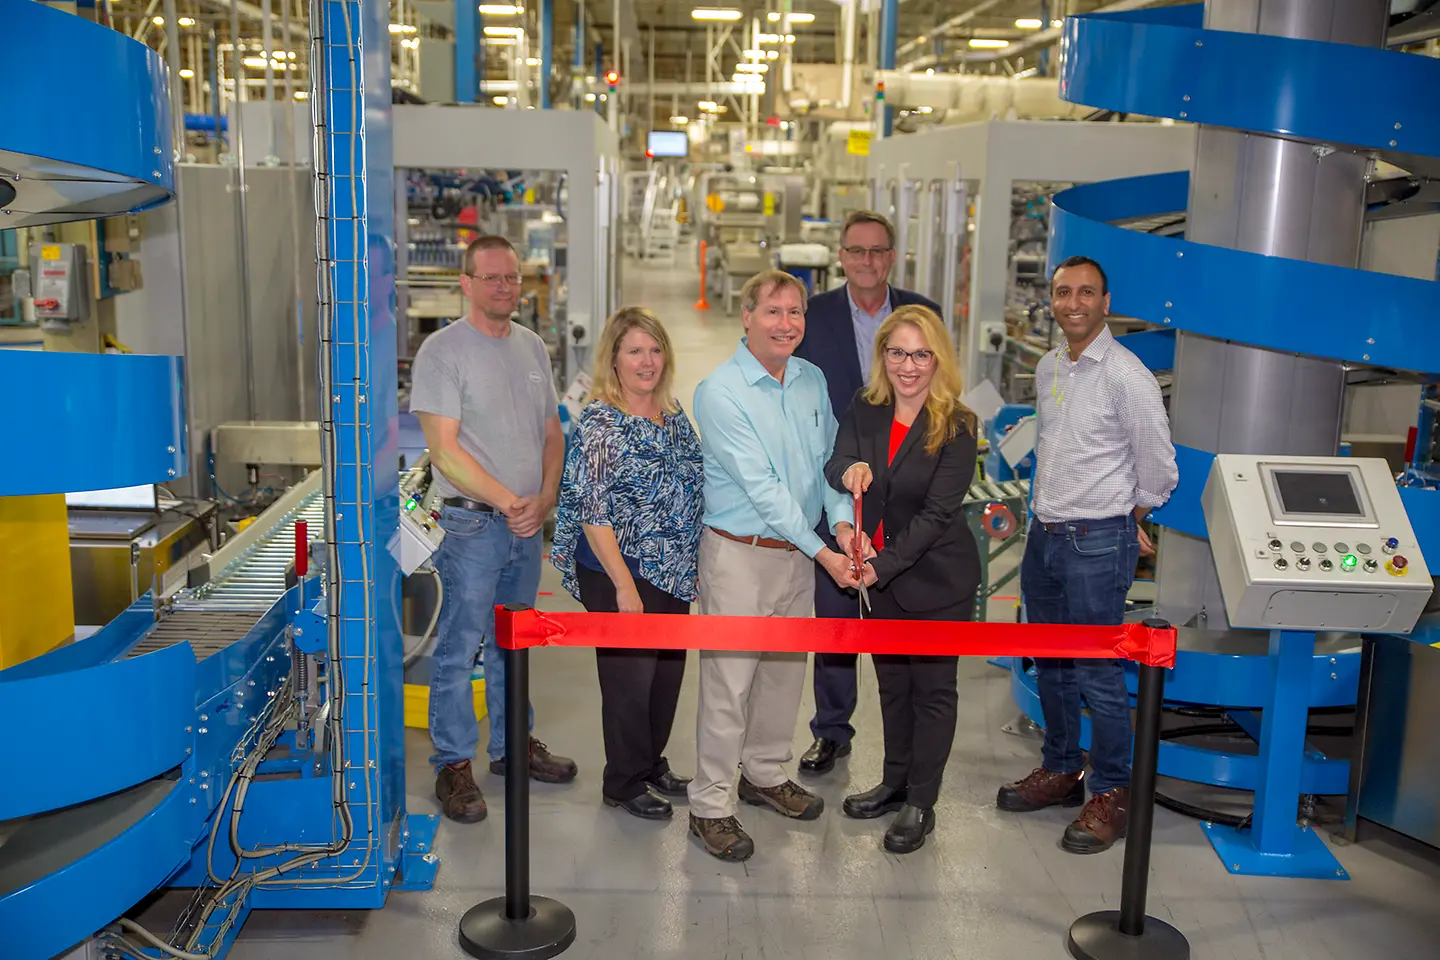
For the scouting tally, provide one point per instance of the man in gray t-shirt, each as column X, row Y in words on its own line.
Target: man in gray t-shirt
column 484, row 395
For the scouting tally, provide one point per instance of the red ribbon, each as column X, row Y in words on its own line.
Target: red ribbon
column 525, row 628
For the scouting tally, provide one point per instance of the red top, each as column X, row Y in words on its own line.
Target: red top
column 897, row 437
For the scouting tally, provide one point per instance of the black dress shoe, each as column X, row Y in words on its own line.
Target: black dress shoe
column 647, row 806
column 821, row 756
column 907, row 833
column 874, row 803
column 669, row 784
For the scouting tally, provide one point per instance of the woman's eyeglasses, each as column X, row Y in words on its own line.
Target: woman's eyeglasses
column 922, row 358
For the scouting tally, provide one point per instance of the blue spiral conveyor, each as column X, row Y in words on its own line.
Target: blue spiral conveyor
column 1342, row 96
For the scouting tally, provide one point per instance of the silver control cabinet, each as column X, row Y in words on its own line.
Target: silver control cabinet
column 1313, row 543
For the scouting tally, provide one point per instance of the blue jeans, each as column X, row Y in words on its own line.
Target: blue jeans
column 1080, row 573
column 481, row 564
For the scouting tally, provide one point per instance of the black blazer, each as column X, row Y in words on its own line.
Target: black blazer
column 930, row 559
column 829, row 340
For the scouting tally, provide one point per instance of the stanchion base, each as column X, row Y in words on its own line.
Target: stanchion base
column 1097, row 936
column 486, row 933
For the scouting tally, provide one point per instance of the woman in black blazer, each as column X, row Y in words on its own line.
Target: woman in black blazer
column 908, row 444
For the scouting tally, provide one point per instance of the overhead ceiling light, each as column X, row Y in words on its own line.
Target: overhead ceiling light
column 589, row 98
column 768, row 38
column 1057, row 23
column 532, row 61
column 929, row 71
column 707, row 104
column 985, row 43
column 754, row 54
column 715, row 13
column 256, row 62
column 302, row 94
column 772, row 54
column 500, row 101
column 187, row 73
column 749, row 79
column 751, row 67
column 158, row 21
column 1029, row 23
column 501, row 10
column 679, row 121
column 411, row 43
column 800, row 18
column 404, row 28
column 186, row 21
column 504, row 31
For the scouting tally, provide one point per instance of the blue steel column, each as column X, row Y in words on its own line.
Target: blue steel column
column 547, row 44
column 467, row 47
column 889, row 43
column 363, row 404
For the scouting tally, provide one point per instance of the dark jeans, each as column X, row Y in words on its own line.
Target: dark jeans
column 1079, row 573
column 639, row 690
column 918, row 702
column 836, row 677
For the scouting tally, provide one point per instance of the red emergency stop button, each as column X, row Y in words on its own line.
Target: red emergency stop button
column 1397, row 566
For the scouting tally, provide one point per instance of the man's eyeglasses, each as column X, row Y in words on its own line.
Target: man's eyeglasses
column 496, row 279
column 922, row 358
column 860, row 253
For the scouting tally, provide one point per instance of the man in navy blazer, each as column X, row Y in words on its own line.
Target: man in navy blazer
column 840, row 328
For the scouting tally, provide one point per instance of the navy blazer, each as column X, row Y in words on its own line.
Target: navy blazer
column 829, row 340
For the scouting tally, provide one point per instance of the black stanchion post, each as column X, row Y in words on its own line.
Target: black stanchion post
column 1127, row 933
column 517, row 926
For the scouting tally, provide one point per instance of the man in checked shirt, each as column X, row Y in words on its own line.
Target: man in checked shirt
column 1104, row 459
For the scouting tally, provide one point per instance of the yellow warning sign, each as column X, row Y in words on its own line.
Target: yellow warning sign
column 714, row 202
column 769, row 204
column 49, row 252
column 858, row 143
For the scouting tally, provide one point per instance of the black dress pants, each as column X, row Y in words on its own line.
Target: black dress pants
column 639, row 690
column 918, row 703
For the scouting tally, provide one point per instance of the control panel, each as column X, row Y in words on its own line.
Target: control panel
column 420, row 531
column 1313, row 543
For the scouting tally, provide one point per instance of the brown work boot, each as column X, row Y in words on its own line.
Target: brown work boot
column 1100, row 824
column 544, row 766
column 789, row 798
column 1042, row 789
column 460, row 798
column 723, row 837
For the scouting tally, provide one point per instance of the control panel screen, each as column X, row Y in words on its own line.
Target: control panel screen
column 1312, row 492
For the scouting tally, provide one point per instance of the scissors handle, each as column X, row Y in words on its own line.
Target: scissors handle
column 856, row 554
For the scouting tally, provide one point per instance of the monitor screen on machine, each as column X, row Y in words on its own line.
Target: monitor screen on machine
column 668, row 143
column 1317, row 496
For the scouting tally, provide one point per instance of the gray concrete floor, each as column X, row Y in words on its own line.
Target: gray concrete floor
column 987, row 884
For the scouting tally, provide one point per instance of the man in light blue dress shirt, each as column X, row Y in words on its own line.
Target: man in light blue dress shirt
column 767, row 430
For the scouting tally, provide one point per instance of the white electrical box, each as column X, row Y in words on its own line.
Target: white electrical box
column 420, row 530
column 1313, row 543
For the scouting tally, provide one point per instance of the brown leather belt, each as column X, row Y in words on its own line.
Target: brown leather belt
column 766, row 542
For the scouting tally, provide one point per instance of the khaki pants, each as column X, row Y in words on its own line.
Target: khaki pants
column 748, row 701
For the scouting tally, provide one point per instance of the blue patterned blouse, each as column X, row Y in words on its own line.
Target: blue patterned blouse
column 646, row 482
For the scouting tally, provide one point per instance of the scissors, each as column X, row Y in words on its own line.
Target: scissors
column 857, row 558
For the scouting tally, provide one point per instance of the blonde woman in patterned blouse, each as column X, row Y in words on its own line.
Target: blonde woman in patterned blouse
column 627, row 539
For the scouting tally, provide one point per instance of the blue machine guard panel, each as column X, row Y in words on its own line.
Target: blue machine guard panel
column 121, row 723
column 121, row 422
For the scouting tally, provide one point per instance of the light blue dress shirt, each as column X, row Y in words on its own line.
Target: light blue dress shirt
column 866, row 326
column 765, row 448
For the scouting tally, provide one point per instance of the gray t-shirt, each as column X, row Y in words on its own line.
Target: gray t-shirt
column 502, row 392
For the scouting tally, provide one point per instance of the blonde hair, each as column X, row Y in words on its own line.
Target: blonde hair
column 943, row 405
column 605, row 382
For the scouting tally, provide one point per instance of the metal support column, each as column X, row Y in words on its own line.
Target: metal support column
column 889, row 42
column 547, row 44
column 1284, row 198
column 467, row 48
